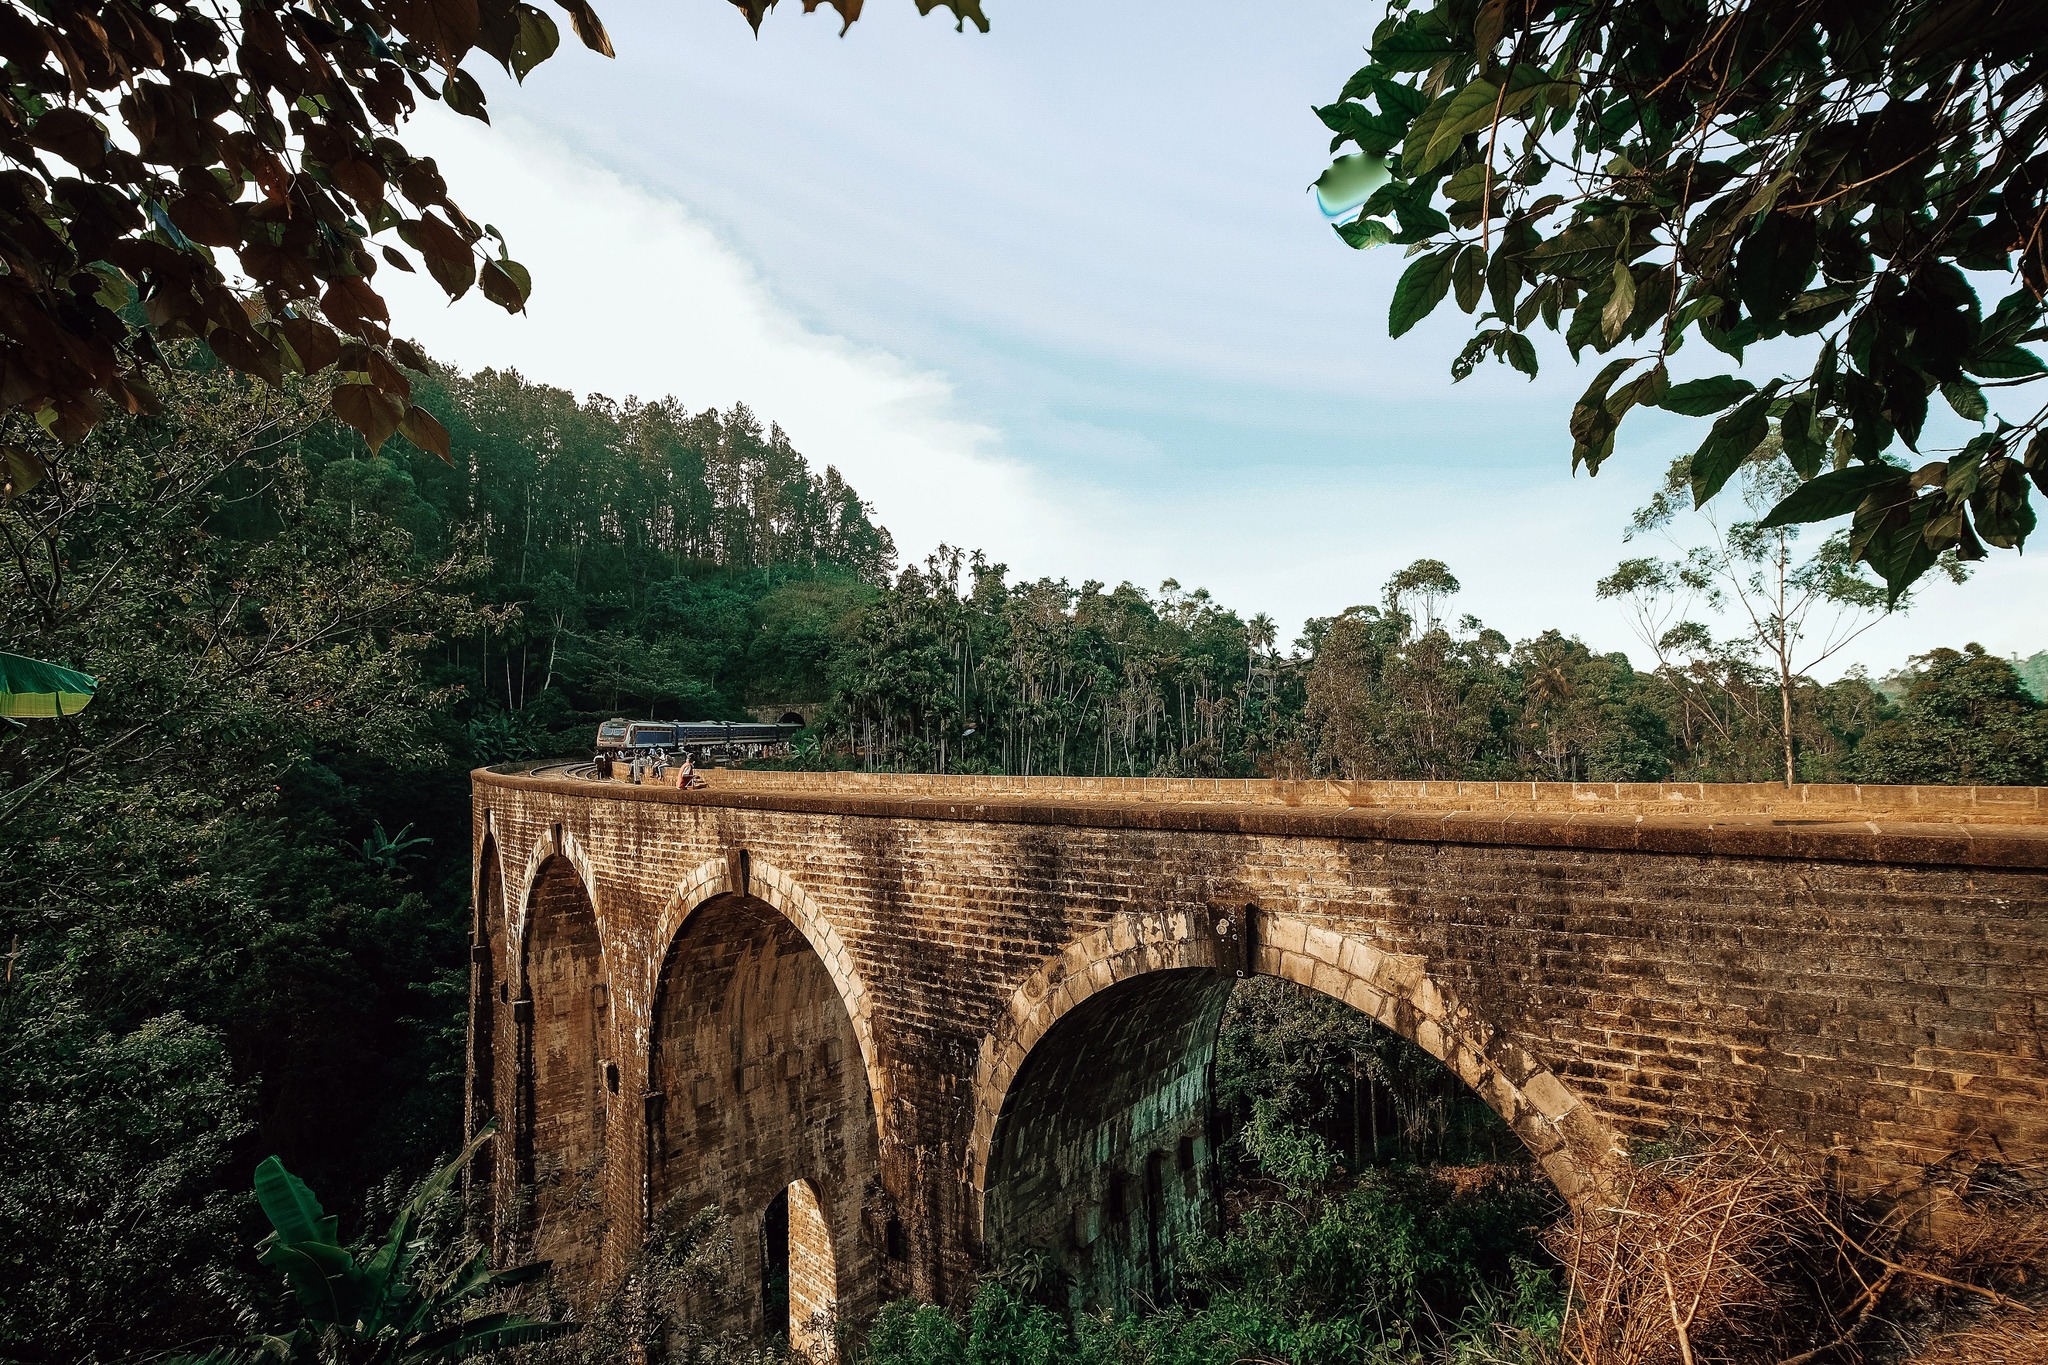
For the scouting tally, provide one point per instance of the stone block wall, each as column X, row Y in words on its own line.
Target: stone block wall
column 1859, row 972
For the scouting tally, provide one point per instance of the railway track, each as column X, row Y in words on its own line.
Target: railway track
column 587, row 772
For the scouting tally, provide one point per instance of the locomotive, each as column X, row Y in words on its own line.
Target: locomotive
column 620, row 740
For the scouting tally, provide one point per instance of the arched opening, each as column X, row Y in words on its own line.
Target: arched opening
column 1114, row 1145
column 1111, row 1099
column 775, row 1251
column 486, row 953
column 565, row 1023
column 799, row 1274
column 813, row 1276
column 761, row 1103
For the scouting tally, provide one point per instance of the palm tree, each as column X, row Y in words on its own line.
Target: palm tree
column 1258, row 637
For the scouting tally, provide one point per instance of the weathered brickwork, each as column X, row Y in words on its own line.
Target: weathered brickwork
column 759, row 1088
column 977, row 1013
column 813, row 1277
column 563, row 1158
column 1102, row 1159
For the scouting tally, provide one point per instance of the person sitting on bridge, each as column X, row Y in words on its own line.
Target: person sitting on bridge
column 686, row 775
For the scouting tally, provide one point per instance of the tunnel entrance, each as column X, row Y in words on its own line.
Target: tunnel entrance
column 564, row 1023
column 1148, row 1108
column 760, row 1106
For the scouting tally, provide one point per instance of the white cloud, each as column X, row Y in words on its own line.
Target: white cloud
column 634, row 296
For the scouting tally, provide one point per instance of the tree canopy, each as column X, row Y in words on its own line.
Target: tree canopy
column 233, row 174
column 1832, row 181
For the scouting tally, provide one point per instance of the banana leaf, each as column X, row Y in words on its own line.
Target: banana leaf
column 31, row 689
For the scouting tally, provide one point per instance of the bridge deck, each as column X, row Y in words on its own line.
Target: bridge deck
column 1947, row 826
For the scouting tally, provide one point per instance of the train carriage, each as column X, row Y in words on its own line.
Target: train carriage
column 621, row 741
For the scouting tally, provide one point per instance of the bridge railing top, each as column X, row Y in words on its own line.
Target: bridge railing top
column 1761, row 801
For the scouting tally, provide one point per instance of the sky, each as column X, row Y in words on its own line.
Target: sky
column 1058, row 292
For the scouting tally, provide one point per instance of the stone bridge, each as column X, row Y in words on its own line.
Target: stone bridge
column 921, row 1021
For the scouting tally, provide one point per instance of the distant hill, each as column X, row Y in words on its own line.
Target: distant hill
column 2034, row 675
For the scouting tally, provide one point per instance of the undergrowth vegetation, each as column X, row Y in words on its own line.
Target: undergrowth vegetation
column 1375, row 1213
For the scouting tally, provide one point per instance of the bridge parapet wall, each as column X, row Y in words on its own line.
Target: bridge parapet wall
column 1728, row 800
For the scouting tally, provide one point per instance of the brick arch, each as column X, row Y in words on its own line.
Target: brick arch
column 562, row 843
column 485, row 1045
column 566, row 1049
column 1576, row 1149
column 554, row 842
column 487, row 839
column 1129, row 946
column 722, row 876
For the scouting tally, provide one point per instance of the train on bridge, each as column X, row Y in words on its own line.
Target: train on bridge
column 622, row 741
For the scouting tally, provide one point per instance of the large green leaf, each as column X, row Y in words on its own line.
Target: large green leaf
column 1704, row 397
column 292, row 1209
column 1775, row 263
column 319, row 1275
column 1418, row 42
column 1834, row 494
column 1468, row 111
column 2008, row 362
column 1733, row 439
column 1800, row 437
column 1422, row 287
column 1583, row 250
column 1361, row 233
column 2004, row 514
column 1621, row 303
column 1966, row 398
column 384, row 1275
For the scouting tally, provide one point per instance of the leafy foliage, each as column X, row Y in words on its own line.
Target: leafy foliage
column 1405, row 1266
column 1826, row 175
column 1965, row 717
column 381, row 1304
column 212, row 952
column 116, row 1218
column 144, row 136
column 1305, row 1084
column 978, row 674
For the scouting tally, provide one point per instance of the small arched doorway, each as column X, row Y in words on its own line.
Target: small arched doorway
column 564, row 1021
column 761, row 1107
column 800, row 1274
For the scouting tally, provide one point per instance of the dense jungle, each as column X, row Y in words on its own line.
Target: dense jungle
column 234, row 890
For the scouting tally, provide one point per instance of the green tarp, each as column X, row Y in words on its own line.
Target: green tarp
column 32, row 689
